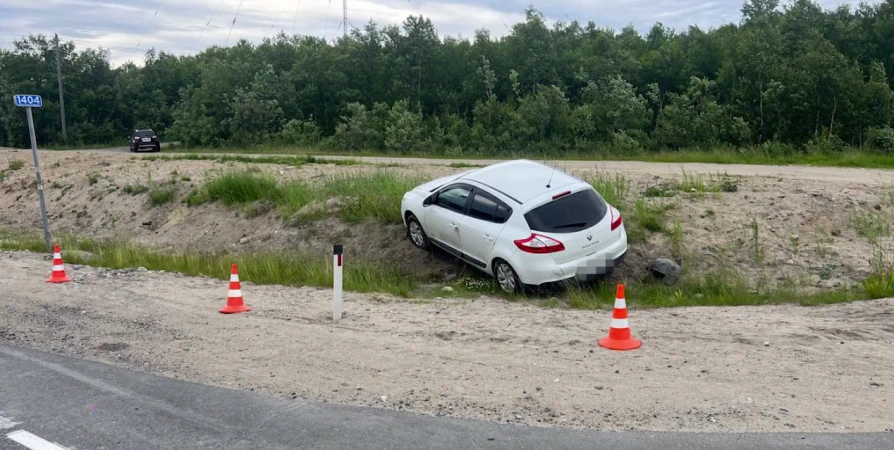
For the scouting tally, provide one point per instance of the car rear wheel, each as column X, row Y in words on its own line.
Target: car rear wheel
column 416, row 233
column 506, row 277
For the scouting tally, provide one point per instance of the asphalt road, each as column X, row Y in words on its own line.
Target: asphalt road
column 52, row 402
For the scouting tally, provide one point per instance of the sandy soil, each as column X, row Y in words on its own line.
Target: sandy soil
column 805, row 214
column 780, row 368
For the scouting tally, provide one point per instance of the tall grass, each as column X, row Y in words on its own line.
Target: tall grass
column 241, row 187
column 376, row 196
column 880, row 283
column 613, row 187
column 359, row 197
column 757, row 246
column 676, row 238
column 159, row 195
column 285, row 268
column 290, row 197
column 871, row 225
column 719, row 288
column 649, row 215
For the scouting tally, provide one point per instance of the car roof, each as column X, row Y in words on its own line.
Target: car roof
column 521, row 179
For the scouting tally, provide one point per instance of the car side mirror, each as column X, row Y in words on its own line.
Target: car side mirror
column 431, row 199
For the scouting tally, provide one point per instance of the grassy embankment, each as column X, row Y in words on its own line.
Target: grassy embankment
column 376, row 196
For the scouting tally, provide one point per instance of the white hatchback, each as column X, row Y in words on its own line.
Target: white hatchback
column 520, row 221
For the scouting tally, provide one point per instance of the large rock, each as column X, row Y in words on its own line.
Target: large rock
column 666, row 270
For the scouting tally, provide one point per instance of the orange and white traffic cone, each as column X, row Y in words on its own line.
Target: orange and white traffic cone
column 619, row 337
column 234, row 298
column 58, row 275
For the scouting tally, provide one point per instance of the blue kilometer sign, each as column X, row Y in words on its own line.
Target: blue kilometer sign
column 28, row 100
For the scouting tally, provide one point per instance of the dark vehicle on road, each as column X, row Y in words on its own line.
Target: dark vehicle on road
column 140, row 139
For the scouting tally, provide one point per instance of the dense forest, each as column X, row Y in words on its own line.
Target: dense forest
column 787, row 78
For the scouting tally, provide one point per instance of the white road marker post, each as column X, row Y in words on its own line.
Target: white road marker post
column 337, row 261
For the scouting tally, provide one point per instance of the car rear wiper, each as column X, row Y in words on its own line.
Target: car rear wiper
column 571, row 225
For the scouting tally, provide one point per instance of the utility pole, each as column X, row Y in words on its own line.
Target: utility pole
column 59, row 82
column 345, row 15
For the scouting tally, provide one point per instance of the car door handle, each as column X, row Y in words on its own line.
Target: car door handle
column 454, row 226
column 488, row 238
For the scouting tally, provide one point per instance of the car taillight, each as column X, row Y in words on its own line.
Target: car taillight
column 616, row 220
column 154, row 137
column 537, row 243
column 136, row 139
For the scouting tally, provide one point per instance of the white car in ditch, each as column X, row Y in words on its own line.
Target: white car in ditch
column 520, row 221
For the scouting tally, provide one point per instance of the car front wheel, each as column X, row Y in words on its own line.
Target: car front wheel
column 416, row 233
column 506, row 277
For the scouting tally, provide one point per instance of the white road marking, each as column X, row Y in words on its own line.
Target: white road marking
column 33, row 442
column 6, row 424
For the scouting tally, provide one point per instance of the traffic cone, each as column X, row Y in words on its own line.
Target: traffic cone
column 619, row 337
column 234, row 298
column 58, row 275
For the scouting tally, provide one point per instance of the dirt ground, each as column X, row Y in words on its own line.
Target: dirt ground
column 768, row 368
column 779, row 368
column 806, row 215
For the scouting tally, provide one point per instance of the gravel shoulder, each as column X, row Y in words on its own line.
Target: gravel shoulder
column 776, row 368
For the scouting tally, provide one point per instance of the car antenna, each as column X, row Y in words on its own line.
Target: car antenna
column 548, row 183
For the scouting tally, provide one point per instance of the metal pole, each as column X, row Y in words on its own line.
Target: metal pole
column 43, row 206
column 61, row 98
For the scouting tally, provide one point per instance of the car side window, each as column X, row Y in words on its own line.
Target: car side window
column 454, row 198
column 486, row 207
column 502, row 214
column 482, row 208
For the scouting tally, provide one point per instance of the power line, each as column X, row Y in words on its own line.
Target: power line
column 295, row 20
column 234, row 22
column 141, row 37
column 202, row 34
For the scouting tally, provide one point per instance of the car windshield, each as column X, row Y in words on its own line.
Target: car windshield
column 568, row 214
column 145, row 133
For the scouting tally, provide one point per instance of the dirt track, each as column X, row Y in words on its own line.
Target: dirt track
column 831, row 174
column 700, row 369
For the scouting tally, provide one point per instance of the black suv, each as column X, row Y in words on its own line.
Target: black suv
column 144, row 139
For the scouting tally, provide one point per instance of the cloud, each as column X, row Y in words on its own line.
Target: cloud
column 127, row 28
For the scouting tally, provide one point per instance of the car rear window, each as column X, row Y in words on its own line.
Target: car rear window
column 568, row 214
column 145, row 133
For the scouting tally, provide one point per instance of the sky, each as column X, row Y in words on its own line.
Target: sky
column 127, row 28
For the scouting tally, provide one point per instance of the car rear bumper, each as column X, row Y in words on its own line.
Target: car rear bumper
column 541, row 269
column 145, row 144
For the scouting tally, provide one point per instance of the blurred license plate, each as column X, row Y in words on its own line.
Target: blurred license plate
column 146, row 139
